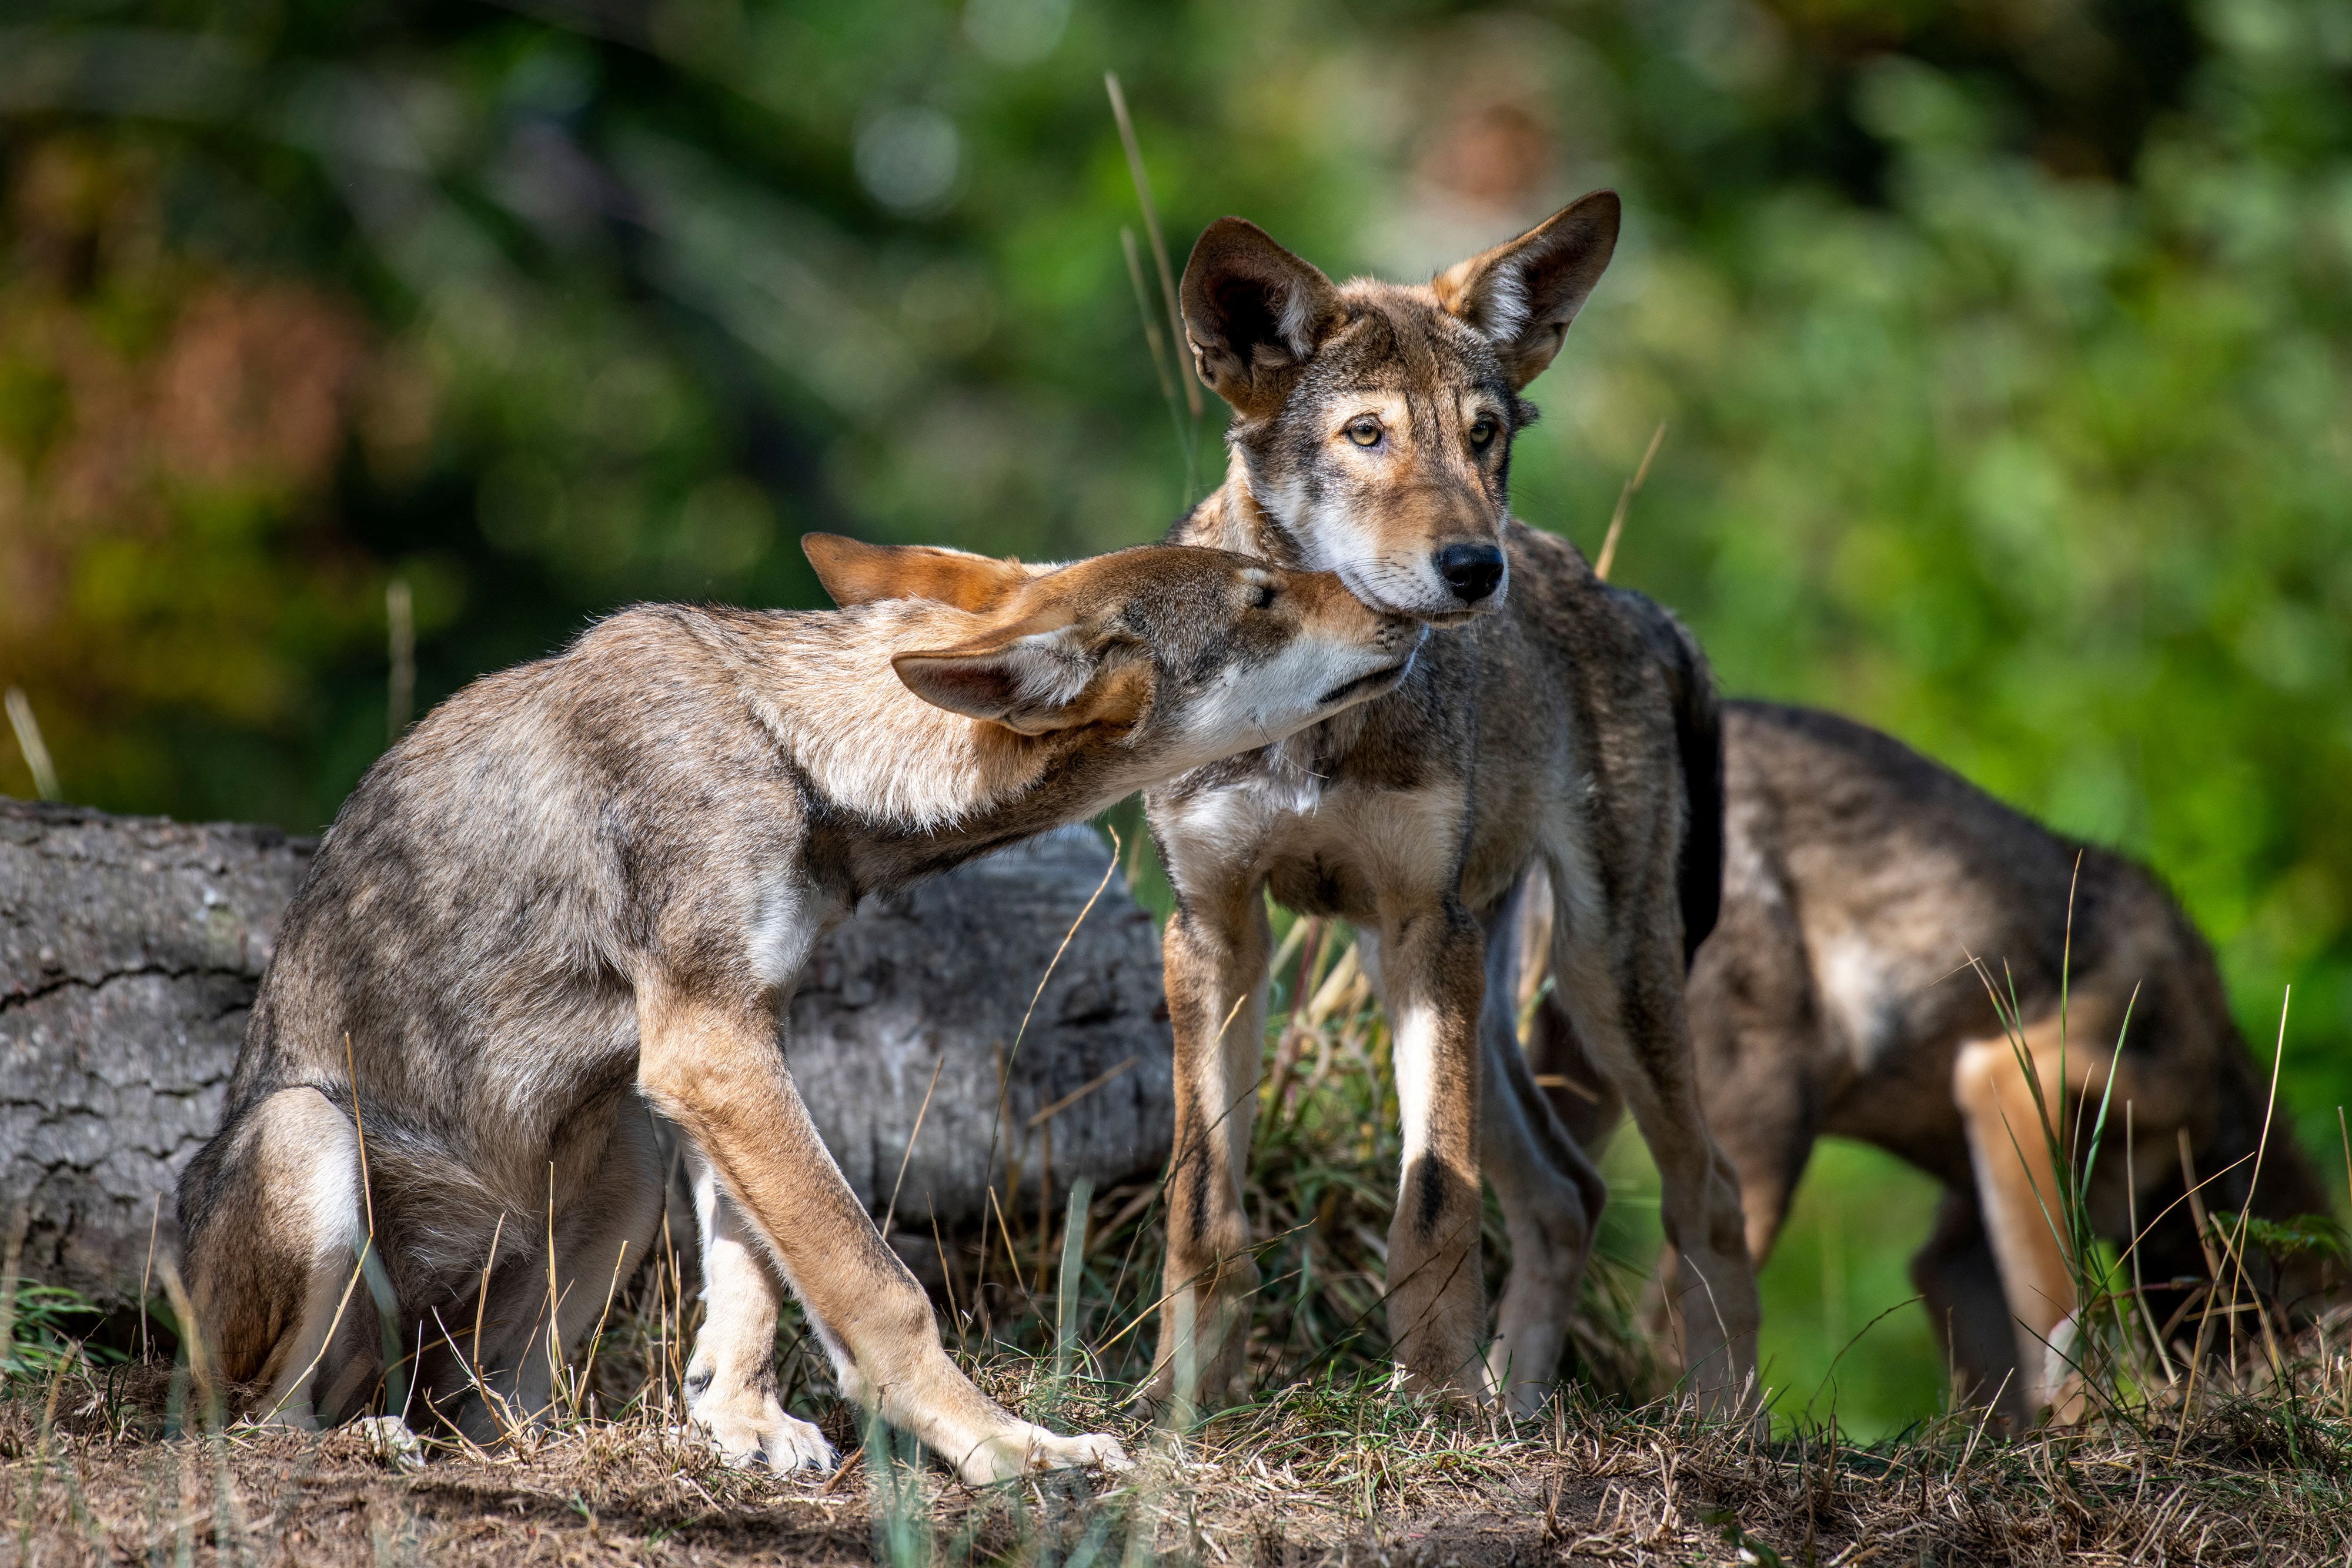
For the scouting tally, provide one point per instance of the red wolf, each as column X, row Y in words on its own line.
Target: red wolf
column 1837, row 996
column 1560, row 722
column 582, row 889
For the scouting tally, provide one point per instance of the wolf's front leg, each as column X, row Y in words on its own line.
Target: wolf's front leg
column 731, row 1380
column 714, row 1068
column 1215, row 952
column 1432, row 964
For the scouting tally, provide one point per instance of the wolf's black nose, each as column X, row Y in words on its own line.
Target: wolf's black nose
column 1471, row 570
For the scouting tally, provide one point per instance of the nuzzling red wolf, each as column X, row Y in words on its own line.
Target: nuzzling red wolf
column 1553, row 720
column 584, row 888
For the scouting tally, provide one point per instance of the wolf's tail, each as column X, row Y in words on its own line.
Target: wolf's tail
column 272, row 1221
column 1698, row 738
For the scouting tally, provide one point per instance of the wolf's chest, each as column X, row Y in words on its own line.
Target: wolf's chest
column 1323, row 845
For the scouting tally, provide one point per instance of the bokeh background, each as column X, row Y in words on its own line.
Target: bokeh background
column 2001, row 347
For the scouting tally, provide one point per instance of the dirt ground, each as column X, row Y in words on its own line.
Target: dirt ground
column 1306, row 1476
column 616, row 1495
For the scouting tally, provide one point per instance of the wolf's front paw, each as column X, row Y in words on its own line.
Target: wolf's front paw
column 1027, row 1448
column 754, row 1431
column 1090, row 1450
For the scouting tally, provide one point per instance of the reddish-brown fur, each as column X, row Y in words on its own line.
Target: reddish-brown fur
column 579, row 894
column 1837, row 996
column 1564, row 722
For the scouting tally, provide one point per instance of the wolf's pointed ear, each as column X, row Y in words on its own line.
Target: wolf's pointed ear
column 856, row 573
column 1252, row 314
column 1521, row 295
column 1032, row 675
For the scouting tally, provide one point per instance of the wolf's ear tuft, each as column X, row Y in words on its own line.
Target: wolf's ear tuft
column 856, row 574
column 1032, row 675
column 1252, row 314
column 1521, row 295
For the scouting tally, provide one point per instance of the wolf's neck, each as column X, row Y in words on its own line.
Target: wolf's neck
column 1234, row 519
column 825, row 691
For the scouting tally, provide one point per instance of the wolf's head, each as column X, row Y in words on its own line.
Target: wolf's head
column 1180, row 655
column 1374, row 419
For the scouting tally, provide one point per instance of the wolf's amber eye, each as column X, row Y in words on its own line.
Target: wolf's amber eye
column 1482, row 432
column 1365, row 432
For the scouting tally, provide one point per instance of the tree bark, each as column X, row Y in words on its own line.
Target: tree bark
column 131, row 947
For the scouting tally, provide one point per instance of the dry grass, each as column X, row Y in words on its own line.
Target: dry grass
column 1309, row 1473
column 118, row 1464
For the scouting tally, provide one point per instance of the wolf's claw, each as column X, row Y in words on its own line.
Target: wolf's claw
column 756, row 1437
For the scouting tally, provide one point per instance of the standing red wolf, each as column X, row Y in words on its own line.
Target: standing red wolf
column 1559, row 722
column 586, row 886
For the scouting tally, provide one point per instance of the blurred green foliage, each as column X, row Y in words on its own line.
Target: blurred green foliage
column 2001, row 348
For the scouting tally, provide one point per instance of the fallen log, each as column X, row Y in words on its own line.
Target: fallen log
column 130, row 947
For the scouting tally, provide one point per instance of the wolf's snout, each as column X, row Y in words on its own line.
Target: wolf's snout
column 1395, row 641
column 1472, row 571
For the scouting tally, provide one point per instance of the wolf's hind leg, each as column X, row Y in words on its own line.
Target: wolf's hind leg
column 1550, row 1191
column 1624, row 992
column 271, row 1257
column 730, row 1383
column 604, row 1230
